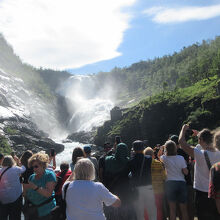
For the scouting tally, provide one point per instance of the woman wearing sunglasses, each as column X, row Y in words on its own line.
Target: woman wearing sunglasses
column 40, row 190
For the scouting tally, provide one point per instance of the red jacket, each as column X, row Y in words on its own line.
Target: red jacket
column 68, row 173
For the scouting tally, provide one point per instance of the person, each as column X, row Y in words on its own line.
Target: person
column 205, row 207
column 175, row 186
column 77, row 152
column 140, row 171
column 158, row 176
column 52, row 159
column 10, row 189
column 87, row 149
column 101, row 162
column 84, row 198
column 116, row 173
column 214, row 180
column 29, row 170
column 40, row 189
column 1, row 159
column 188, row 177
column 62, row 176
column 16, row 159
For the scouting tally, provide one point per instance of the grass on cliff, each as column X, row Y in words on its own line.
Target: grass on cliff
column 5, row 148
column 203, row 90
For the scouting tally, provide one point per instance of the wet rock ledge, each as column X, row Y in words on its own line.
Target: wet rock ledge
column 21, row 134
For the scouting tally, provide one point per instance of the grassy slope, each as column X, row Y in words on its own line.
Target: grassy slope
column 156, row 117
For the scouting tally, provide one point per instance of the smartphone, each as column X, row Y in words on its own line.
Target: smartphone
column 12, row 153
column 52, row 152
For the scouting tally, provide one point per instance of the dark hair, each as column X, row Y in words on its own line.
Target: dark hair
column 25, row 156
column 156, row 150
column 1, row 156
column 138, row 145
column 64, row 166
column 77, row 152
column 206, row 135
column 171, row 149
column 175, row 139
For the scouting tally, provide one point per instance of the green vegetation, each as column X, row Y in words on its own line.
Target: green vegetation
column 4, row 146
column 10, row 131
column 180, row 70
column 155, row 117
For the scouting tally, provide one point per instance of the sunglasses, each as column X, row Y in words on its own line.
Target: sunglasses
column 35, row 167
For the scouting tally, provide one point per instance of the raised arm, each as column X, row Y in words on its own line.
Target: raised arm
column 182, row 141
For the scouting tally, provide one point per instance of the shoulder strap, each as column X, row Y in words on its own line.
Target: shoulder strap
column 4, row 172
column 207, row 159
column 65, row 190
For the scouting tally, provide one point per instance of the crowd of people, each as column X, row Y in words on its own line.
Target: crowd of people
column 167, row 181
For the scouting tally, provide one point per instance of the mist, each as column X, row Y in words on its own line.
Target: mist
column 88, row 102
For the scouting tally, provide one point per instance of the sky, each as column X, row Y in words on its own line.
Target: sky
column 86, row 37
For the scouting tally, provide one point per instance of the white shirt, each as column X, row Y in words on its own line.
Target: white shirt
column 84, row 200
column 201, row 176
column 10, row 186
column 174, row 166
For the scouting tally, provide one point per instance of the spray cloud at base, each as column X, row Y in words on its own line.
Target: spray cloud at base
column 88, row 102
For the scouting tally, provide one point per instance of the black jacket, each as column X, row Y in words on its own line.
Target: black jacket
column 134, row 167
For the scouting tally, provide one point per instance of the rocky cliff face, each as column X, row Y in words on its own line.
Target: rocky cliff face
column 22, row 113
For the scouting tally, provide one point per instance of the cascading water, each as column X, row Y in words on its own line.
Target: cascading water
column 89, row 105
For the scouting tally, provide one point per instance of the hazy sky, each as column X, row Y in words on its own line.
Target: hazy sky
column 91, row 36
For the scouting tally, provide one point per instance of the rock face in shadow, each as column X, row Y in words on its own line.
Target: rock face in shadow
column 22, row 135
column 83, row 137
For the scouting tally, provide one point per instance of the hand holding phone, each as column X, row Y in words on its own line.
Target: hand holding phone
column 52, row 152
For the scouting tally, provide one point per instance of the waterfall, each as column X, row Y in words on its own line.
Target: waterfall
column 89, row 105
column 88, row 102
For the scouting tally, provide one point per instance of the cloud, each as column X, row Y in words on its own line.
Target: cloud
column 176, row 15
column 64, row 34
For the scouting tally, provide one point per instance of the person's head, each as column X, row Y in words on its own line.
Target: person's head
column 149, row 151
column 64, row 166
column 77, row 152
column 1, row 158
column 121, row 152
column 25, row 157
column 38, row 162
column 156, row 150
column 87, row 149
column 8, row 161
column 171, row 149
column 107, row 146
column 84, row 170
column 175, row 139
column 216, row 140
column 138, row 146
column 205, row 137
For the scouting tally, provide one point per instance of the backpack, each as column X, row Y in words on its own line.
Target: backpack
column 59, row 212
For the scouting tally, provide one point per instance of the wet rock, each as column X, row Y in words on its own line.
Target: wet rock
column 83, row 137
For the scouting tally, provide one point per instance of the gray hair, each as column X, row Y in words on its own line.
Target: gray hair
column 8, row 161
column 84, row 170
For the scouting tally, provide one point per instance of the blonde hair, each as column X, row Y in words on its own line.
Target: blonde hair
column 171, row 149
column 8, row 161
column 41, row 158
column 84, row 170
column 216, row 140
column 149, row 151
